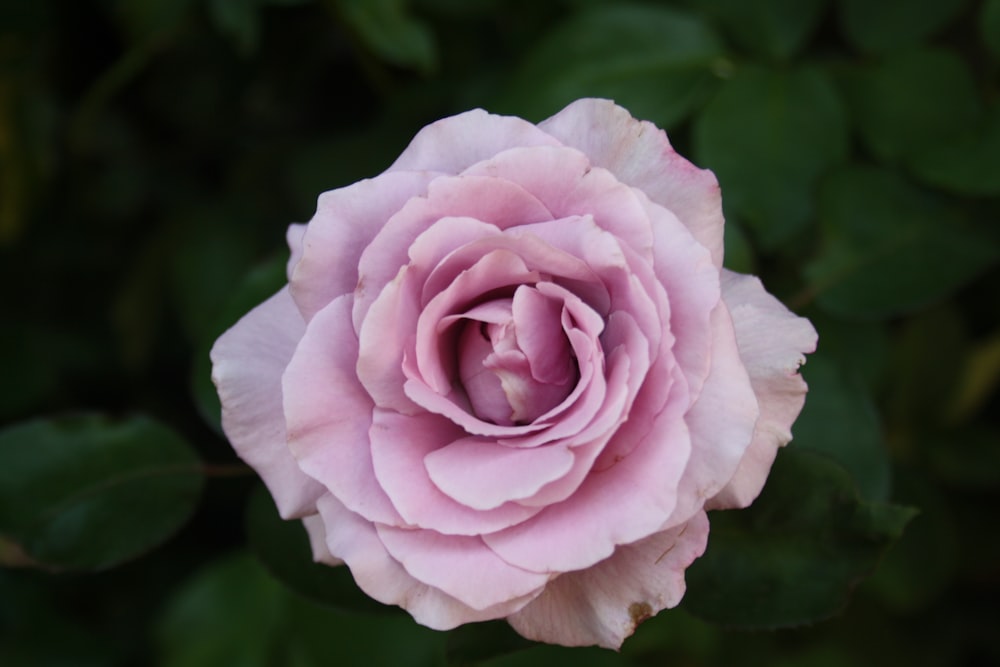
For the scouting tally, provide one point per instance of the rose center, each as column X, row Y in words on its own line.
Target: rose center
column 514, row 360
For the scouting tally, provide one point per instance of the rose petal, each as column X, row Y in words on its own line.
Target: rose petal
column 355, row 540
column 462, row 567
column 625, row 503
column 490, row 200
column 317, row 540
column 294, row 237
column 452, row 144
column 483, row 475
column 605, row 603
column 399, row 446
column 537, row 321
column 566, row 182
column 721, row 420
column 329, row 414
column 247, row 363
column 639, row 154
column 345, row 223
column 772, row 342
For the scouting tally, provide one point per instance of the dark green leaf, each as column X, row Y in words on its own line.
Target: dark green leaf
column 213, row 252
column 862, row 349
column 391, row 32
column 889, row 248
column 769, row 135
column 919, row 567
column 886, row 25
column 86, row 492
column 228, row 614
column 471, row 644
column 989, row 24
column 794, row 556
column 912, row 102
column 840, row 421
column 739, row 253
column 239, row 21
column 283, row 548
column 774, row 28
column 967, row 163
column 655, row 61
column 233, row 613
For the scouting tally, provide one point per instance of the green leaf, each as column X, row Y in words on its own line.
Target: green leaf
column 87, row 492
column 989, row 25
column 228, row 614
column 773, row 28
column 283, row 548
column 391, row 32
column 890, row 248
column 839, row 420
column 655, row 61
column 917, row 570
column 233, row 613
column 769, row 135
column 887, row 25
column 475, row 642
column 239, row 21
column 794, row 556
column 912, row 102
column 739, row 254
column 968, row 163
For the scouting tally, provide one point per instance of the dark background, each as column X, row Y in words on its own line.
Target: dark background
column 152, row 153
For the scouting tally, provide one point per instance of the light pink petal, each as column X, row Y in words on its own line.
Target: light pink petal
column 483, row 475
column 345, row 223
column 329, row 414
column 538, row 328
column 247, row 363
column 772, row 343
column 721, row 421
column 460, row 566
column 399, row 446
column 294, row 237
column 378, row 574
column 452, row 144
column 395, row 324
column 591, row 439
column 639, row 154
column 569, row 185
column 605, row 603
column 490, row 200
column 691, row 280
column 625, row 503
column 317, row 540
column 537, row 252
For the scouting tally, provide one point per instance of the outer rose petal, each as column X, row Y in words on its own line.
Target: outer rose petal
column 378, row 574
column 331, row 443
column 345, row 222
column 772, row 342
column 317, row 540
column 247, row 363
column 605, row 603
column 455, row 143
column 640, row 155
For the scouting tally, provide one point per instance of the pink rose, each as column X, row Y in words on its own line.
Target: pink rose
column 509, row 375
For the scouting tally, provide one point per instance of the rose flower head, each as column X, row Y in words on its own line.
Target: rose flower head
column 509, row 375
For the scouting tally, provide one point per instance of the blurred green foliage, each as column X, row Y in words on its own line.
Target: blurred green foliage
column 152, row 153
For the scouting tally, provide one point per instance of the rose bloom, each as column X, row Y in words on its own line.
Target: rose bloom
column 509, row 375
